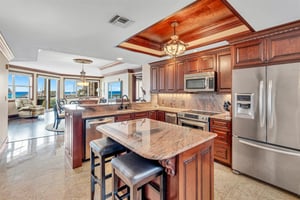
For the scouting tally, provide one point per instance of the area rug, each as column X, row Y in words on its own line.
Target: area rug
column 60, row 128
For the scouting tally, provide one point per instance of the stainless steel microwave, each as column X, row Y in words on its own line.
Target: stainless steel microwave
column 200, row 82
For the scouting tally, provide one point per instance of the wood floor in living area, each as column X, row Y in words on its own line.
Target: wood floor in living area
column 33, row 167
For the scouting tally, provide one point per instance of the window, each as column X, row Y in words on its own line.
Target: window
column 19, row 85
column 72, row 89
column 114, row 90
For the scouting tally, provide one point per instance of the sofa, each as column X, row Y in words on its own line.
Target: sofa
column 27, row 109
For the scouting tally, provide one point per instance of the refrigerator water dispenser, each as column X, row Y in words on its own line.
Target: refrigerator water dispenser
column 244, row 105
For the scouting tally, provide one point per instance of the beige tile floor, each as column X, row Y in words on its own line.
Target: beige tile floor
column 35, row 169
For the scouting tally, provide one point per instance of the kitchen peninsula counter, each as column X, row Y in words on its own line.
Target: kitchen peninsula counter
column 186, row 154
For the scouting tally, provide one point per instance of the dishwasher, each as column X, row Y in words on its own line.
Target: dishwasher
column 171, row 118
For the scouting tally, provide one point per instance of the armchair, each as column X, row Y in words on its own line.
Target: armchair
column 27, row 109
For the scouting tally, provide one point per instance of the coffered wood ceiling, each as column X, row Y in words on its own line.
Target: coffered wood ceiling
column 201, row 23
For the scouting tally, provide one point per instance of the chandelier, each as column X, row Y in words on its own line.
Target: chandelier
column 83, row 61
column 174, row 47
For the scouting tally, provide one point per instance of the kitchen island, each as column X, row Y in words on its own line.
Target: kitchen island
column 185, row 153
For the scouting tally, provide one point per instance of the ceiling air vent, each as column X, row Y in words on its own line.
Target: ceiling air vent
column 120, row 21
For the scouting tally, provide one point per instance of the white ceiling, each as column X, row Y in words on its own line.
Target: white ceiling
column 48, row 34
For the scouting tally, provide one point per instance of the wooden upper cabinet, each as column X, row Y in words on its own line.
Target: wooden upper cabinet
column 161, row 78
column 154, row 73
column 170, row 77
column 250, row 53
column 284, row 47
column 224, row 71
column 192, row 65
column 179, row 76
column 207, row 63
column 273, row 46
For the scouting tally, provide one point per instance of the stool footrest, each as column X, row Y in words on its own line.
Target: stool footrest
column 123, row 196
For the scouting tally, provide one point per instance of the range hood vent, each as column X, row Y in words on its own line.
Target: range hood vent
column 120, row 21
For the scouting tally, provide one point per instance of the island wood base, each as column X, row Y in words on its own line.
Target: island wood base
column 194, row 176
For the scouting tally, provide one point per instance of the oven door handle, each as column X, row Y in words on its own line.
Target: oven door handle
column 192, row 122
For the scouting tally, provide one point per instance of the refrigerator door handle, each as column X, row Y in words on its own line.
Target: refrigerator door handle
column 270, row 104
column 262, row 114
column 277, row 150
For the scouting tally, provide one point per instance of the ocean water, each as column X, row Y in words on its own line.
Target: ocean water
column 19, row 95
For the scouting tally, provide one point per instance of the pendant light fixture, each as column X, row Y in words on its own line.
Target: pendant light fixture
column 174, row 47
column 82, row 61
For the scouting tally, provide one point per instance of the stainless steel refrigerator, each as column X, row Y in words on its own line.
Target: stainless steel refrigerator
column 266, row 124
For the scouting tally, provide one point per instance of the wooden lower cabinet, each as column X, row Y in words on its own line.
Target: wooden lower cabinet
column 124, row 117
column 194, row 178
column 161, row 115
column 73, row 138
column 223, row 143
column 152, row 114
column 141, row 115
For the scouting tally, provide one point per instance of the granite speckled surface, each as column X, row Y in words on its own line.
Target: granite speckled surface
column 223, row 116
column 154, row 139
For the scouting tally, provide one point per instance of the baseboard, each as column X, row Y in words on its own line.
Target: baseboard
column 16, row 116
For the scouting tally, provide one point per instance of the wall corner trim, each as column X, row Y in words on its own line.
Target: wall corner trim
column 4, row 48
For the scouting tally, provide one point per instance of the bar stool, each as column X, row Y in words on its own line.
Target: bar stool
column 104, row 148
column 136, row 172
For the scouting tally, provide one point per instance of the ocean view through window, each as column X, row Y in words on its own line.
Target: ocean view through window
column 19, row 85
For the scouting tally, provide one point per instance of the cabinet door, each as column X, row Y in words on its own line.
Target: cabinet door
column 192, row 65
column 161, row 116
column 124, row 117
column 161, row 81
column 222, row 142
column 207, row 63
column 154, row 72
column 196, row 173
column 249, row 54
column 170, row 77
column 284, row 47
column 140, row 115
column 180, row 70
column 152, row 115
column 224, row 71
column 222, row 152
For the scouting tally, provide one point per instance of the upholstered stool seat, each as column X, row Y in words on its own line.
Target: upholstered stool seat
column 135, row 172
column 104, row 148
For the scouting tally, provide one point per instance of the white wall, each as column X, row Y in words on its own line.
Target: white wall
column 3, row 99
column 146, row 81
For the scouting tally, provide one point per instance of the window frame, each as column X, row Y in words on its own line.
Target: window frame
column 30, row 86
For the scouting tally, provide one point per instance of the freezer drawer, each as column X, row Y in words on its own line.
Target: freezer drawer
column 276, row 166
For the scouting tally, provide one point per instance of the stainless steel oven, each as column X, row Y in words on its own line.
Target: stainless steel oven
column 198, row 119
column 193, row 124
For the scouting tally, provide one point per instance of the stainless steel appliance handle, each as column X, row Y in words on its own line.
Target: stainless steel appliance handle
column 277, row 149
column 270, row 104
column 192, row 122
column 262, row 113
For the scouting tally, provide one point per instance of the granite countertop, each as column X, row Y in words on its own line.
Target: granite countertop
column 154, row 139
column 223, row 116
column 90, row 113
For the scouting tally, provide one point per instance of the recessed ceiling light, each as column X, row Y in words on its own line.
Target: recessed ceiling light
column 119, row 59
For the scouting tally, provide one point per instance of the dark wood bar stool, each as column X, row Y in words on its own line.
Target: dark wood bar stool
column 136, row 172
column 104, row 149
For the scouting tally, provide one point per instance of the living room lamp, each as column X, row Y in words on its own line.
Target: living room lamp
column 83, row 61
column 174, row 47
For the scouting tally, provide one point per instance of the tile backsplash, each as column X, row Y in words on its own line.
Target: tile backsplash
column 199, row 101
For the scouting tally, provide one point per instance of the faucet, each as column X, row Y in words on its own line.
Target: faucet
column 122, row 99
